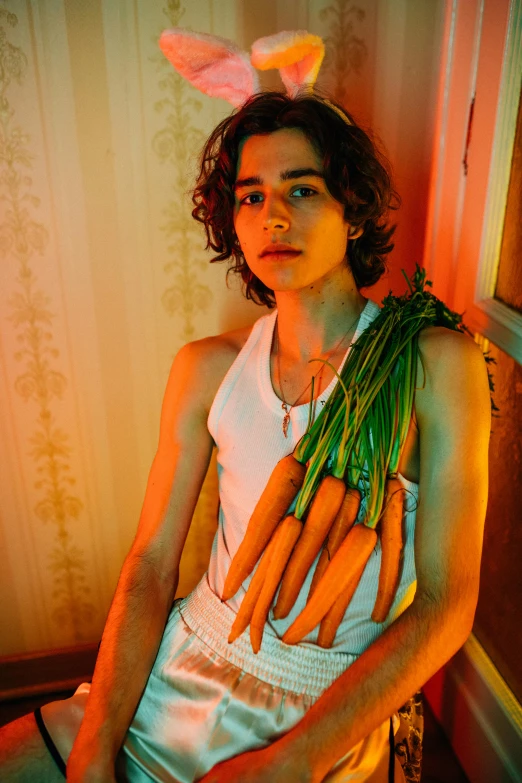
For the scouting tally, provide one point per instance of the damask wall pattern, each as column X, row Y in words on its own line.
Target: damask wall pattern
column 38, row 372
column 346, row 47
column 104, row 273
column 173, row 144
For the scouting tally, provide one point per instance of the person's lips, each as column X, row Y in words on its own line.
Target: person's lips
column 279, row 250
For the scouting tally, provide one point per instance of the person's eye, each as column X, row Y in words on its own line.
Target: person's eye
column 309, row 192
column 250, row 195
column 305, row 192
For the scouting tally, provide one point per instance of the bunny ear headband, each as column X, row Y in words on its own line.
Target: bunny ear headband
column 219, row 68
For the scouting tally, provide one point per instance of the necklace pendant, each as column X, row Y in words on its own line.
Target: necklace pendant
column 286, row 420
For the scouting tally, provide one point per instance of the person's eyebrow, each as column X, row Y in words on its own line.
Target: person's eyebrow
column 285, row 175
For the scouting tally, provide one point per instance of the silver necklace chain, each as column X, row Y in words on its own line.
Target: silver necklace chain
column 285, row 405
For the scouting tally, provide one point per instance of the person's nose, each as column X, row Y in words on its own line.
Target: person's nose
column 276, row 216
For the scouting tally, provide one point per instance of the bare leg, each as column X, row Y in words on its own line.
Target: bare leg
column 24, row 757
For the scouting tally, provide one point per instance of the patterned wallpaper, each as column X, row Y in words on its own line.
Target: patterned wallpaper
column 178, row 137
column 347, row 49
column 104, row 275
column 38, row 368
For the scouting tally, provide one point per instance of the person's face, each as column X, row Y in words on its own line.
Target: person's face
column 277, row 201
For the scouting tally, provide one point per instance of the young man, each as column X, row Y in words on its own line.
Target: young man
column 298, row 196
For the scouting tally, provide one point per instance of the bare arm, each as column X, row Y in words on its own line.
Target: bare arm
column 149, row 576
column 454, row 422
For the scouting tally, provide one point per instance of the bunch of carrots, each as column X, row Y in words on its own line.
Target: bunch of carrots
column 350, row 451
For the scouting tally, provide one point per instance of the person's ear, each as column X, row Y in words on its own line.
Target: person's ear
column 355, row 232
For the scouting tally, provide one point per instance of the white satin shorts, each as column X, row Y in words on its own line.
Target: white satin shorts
column 207, row 701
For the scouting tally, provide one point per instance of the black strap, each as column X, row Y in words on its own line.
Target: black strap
column 391, row 765
column 51, row 747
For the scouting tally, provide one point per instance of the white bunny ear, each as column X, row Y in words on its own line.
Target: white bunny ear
column 296, row 53
column 214, row 65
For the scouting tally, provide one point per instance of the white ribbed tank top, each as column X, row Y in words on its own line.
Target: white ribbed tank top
column 245, row 421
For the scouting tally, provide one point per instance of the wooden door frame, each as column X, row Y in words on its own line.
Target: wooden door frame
column 481, row 72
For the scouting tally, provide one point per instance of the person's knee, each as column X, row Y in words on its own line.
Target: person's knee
column 24, row 756
column 62, row 720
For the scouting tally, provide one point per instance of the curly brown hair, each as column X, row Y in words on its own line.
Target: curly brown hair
column 357, row 174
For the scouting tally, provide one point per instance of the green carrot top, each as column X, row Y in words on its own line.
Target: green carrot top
column 360, row 432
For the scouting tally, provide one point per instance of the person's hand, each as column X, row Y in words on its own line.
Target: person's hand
column 259, row 766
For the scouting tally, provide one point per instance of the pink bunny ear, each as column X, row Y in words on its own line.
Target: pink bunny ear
column 296, row 53
column 214, row 65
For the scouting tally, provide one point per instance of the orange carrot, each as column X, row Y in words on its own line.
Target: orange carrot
column 323, row 511
column 350, row 557
column 286, row 536
column 344, row 522
column 332, row 619
column 248, row 603
column 391, row 543
column 283, row 485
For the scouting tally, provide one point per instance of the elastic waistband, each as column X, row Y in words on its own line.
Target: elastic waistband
column 297, row 668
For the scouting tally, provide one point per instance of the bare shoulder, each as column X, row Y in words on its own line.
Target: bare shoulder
column 451, row 375
column 446, row 351
column 208, row 360
column 195, row 376
column 442, row 342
